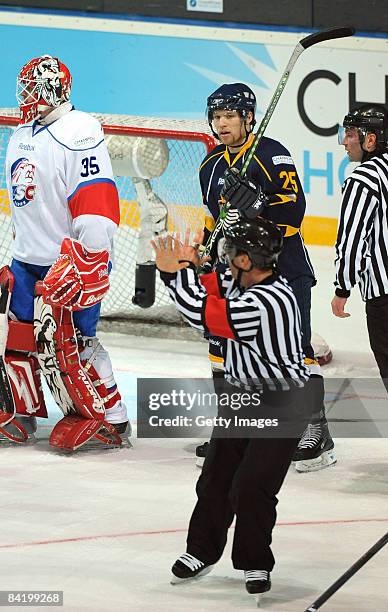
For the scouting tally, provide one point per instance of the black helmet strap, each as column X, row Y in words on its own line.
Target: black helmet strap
column 241, row 271
column 362, row 132
column 248, row 132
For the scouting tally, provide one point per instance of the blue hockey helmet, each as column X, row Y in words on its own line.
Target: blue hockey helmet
column 232, row 96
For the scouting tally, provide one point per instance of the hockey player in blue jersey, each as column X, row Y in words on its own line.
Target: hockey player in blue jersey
column 271, row 189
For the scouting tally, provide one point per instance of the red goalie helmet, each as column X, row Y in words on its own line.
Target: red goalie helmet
column 42, row 83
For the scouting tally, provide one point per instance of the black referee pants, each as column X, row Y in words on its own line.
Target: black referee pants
column 377, row 321
column 240, row 478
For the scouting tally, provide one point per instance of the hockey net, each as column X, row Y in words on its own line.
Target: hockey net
column 156, row 163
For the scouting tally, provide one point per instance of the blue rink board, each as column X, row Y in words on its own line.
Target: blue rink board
column 159, row 76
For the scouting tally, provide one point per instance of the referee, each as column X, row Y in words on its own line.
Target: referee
column 256, row 311
column 362, row 241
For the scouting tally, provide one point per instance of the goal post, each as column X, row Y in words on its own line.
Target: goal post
column 156, row 163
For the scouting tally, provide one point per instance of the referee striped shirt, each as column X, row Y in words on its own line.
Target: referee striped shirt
column 362, row 240
column 261, row 325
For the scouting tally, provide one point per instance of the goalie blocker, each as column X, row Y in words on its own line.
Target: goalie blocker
column 78, row 279
column 72, row 283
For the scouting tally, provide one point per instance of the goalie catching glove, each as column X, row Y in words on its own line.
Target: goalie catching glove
column 78, row 278
column 248, row 198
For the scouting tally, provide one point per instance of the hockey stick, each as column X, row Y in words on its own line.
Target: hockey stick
column 303, row 44
column 348, row 574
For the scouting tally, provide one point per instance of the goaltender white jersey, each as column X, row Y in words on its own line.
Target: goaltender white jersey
column 60, row 183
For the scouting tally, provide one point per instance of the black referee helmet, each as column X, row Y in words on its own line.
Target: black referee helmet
column 369, row 118
column 259, row 238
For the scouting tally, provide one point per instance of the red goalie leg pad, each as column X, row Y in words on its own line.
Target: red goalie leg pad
column 21, row 337
column 23, row 370
column 16, row 433
column 20, row 390
column 24, row 376
column 5, row 417
column 59, row 360
column 7, row 404
column 86, row 399
column 72, row 432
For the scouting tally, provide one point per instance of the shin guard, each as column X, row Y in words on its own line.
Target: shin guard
column 20, row 389
column 67, row 379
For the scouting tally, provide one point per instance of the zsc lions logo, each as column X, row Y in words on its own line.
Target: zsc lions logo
column 22, row 181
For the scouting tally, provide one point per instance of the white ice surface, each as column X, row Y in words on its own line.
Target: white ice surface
column 106, row 527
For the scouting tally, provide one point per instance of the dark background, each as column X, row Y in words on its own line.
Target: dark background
column 361, row 14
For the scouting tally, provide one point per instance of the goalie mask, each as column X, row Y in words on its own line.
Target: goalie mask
column 234, row 97
column 44, row 82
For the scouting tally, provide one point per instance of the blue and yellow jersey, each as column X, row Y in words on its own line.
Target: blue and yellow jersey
column 272, row 167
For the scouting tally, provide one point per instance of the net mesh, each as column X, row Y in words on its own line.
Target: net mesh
column 157, row 157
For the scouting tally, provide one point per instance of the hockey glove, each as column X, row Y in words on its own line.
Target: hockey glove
column 248, row 198
column 79, row 277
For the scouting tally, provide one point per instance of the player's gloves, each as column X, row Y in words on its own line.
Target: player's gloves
column 78, row 278
column 248, row 198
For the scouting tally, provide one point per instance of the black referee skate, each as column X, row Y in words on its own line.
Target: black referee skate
column 315, row 450
column 200, row 453
column 257, row 582
column 187, row 568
